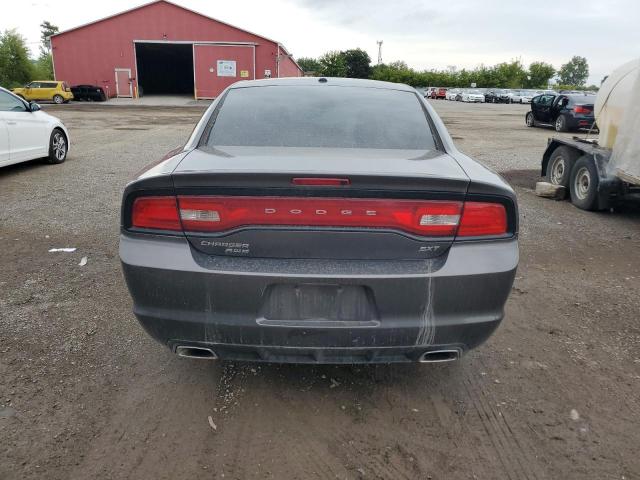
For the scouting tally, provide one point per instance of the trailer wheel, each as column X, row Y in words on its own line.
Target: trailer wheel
column 583, row 184
column 560, row 165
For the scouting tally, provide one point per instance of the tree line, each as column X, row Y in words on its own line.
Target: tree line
column 16, row 65
column 17, row 68
column 356, row 63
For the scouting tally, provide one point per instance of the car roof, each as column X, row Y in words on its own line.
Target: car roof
column 312, row 81
column 8, row 91
column 2, row 89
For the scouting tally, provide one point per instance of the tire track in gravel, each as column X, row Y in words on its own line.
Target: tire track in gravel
column 154, row 421
column 513, row 456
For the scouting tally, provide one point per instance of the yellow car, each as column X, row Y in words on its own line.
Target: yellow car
column 58, row 92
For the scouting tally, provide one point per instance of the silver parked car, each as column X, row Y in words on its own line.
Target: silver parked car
column 319, row 221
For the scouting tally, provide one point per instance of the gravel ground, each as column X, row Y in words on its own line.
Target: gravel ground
column 85, row 393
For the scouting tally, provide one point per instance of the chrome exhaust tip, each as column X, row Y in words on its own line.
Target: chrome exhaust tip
column 439, row 356
column 201, row 353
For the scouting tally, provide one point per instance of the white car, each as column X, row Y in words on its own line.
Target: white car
column 451, row 93
column 527, row 97
column 472, row 96
column 27, row 133
column 516, row 96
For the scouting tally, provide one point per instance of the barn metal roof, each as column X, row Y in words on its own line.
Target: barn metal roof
column 145, row 5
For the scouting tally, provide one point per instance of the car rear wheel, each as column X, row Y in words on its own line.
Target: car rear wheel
column 58, row 99
column 529, row 120
column 58, row 147
column 560, row 165
column 583, row 184
column 561, row 124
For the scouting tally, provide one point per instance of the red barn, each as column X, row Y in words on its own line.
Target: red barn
column 163, row 48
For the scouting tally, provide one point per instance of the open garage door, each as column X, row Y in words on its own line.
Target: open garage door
column 218, row 66
column 165, row 68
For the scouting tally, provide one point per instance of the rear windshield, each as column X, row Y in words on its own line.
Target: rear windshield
column 322, row 116
column 579, row 99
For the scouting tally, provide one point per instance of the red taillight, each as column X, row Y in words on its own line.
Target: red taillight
column 318, row 181
column 582, row 109
column 422, row 217
column 160, row 213
column 482, row 219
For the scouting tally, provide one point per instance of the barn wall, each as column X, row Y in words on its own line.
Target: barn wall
column 208, row 84
column 288, row 68
column 90, row 54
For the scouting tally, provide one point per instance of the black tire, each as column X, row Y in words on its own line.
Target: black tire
column 560, row 165
column 57, row 141
column 58, row 99
column 583, row 184
column 529, row 120
column 561, row 124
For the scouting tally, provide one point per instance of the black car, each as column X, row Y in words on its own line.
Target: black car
column 88, row 93
column 497, row 95
column 564, row 112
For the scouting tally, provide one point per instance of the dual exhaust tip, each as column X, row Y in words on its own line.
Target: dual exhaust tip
column 201, row 353
column 204, row 353
column 440, row 356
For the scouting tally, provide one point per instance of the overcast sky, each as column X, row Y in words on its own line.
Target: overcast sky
column 425, row 34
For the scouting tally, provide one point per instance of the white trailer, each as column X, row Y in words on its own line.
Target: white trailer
column 600, row 174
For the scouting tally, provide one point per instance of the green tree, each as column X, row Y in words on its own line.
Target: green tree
column 46, row 30
column 574, row 72
column 358, row 63
column 309, row 64
column 539, row 75
column 43, row 68
column 509, row 75
column 44, row 64
column 15, row 67
column 333, row 64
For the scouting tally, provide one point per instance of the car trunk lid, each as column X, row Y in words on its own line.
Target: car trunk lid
column 278, row 202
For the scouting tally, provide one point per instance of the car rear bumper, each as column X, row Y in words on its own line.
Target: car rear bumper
column 580, row 122
column 185, row 298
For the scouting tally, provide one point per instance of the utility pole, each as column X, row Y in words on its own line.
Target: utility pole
column 379, row 42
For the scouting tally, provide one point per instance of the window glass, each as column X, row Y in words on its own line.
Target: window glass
column 546, row 100
column 9, row 103
column 322, row 116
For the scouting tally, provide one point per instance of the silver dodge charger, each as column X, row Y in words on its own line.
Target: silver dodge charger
column 319, row 220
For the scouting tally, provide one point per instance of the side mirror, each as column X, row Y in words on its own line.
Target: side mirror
column 34, row 107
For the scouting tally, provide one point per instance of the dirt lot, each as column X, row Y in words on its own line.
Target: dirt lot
column 85, row 393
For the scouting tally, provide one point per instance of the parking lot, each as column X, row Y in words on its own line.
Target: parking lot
column 85, row 393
